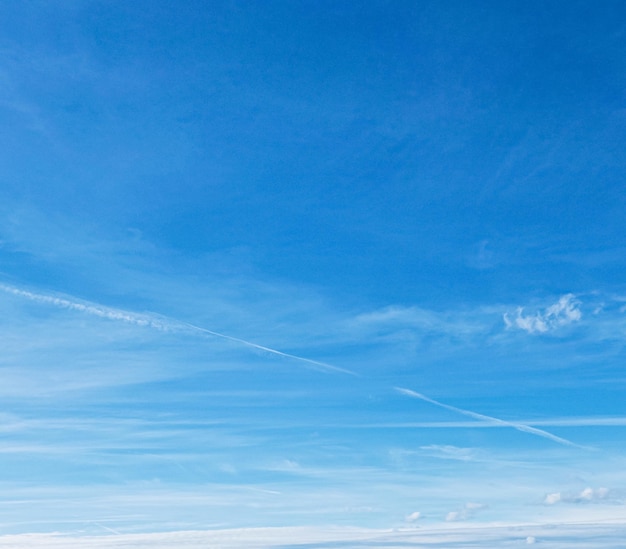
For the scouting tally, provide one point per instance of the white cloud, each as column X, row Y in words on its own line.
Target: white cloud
column 473, row 506
column 453, row 516
column 565, row 311
column 468, row 511
column 551, row 499
column 586, row 495
column 591, row 494
column 413, row 516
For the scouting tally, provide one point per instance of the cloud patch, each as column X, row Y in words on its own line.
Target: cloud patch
column 468, row 511
column 413, row 517
column 588, row 495
column 565, row 311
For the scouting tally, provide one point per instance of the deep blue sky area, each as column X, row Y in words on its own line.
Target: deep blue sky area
column 399, row 149
column 294, row 263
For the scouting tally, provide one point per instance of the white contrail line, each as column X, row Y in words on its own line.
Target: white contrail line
column 170, row 324
column 159, row 323
column 317, row 363
column 90, row 308
column 494, row 420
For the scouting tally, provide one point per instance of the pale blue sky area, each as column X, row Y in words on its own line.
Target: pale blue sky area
column 301, row 264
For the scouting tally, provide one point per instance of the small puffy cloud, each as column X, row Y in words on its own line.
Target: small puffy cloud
column 590, row 494
column 453, row 516
column 584, row 496
column 531, row 540
column 551, row 499
column 413, row 516
column 468, row 511
column 565, row 311
column 472, row 506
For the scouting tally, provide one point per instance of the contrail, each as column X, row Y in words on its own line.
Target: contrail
column 322, row 365
column 519, row 426
column 167, row 324
column 90, row 308
column 159, row 322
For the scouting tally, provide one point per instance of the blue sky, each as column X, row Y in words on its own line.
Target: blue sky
column 311, row 264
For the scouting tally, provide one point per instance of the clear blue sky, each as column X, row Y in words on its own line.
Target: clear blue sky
column 295, row 263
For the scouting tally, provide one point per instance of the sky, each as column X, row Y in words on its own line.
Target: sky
column 320, row 269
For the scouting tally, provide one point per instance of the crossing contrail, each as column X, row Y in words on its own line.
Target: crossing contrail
column 494, row 420
column 168, row 324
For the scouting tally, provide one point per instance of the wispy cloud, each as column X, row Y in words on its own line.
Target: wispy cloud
column 565, row 311
column 401, row 322
column 593, row 535
column 446, row 451
column 467, row 512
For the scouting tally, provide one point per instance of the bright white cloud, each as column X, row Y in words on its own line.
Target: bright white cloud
column 565, row 311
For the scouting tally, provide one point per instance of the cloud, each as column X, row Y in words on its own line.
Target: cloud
column 468, row 511
column 589, row 494
column 413, row 517
column 453, row 516
column 551, row 499
column 561, row 536
column 407, row 323
column 586, row 495
column 565, row 311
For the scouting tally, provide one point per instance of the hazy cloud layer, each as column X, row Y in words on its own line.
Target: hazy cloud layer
column 551, row 536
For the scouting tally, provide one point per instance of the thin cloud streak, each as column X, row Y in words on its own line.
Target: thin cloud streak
column 557, row 422
column 169, row 324
column 519, row 426
column 161, row 323
column 591, row 534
